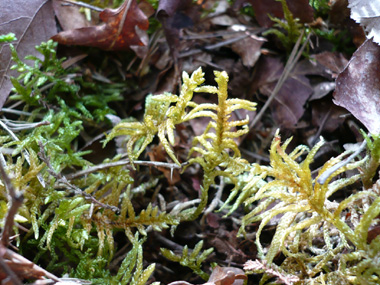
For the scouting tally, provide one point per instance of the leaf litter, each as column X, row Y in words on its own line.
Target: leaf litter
column 123, row 27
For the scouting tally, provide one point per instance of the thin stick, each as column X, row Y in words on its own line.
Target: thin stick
column 12, row 255
column 213, row 46
column 9, row 272
column 18, row 112
column 84, row 5
column 325, row 175
column 120, row 163
column 19, row 126
column 61, row 179
column 16, row 201
column 214, row 203
column 293, row 58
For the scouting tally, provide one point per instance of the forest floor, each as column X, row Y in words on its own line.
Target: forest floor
column 290, row 68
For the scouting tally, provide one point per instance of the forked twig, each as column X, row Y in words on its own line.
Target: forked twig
column 61, row 179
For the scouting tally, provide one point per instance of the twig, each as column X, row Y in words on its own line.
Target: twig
column 20, row 259
column 214, row 203
column 61, row 179
column 16, row 202
column 325, row 175
column 212, row 35
column 183, row 205
column 168, row 243
column 213, row 46
column 18, row 112
column 5, row 268
column 293, row 58
column 84, row 5
column 120, row 163
column 19, row 126
column 321, row 125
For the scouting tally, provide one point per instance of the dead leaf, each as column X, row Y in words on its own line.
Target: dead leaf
column 227, row 276
column 69, row 16
column 213, row 220
column 367, row 12
column 221, row 276
column 122, row 28
column 174, row 16
column 248, row 48
column 321, row 90
column 334, row 62
column 288, row 105
column 327, row 115
column 219, row 15
column 32, row 22
column 373, row 232
column 21, row 267
column 358, row 86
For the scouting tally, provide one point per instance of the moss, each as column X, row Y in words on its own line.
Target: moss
column 77, row 216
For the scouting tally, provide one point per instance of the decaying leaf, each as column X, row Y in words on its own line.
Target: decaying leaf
column 32, row 22
column 262, row 266
column 288, row 105
column 327, row 115
column 123, row 27
column 248, row 48
column 333, row 62
column 367, row 12
column 69, row 16
column 358, row 86
column 221, row 276
column 174, row 15
column 227, row 276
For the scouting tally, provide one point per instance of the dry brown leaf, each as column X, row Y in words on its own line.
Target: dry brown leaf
column 122, row 28
column 69, row 16
column 367, row 12
column 227, row 276
column 358, row 86
column 334, row 62
column 221, row 276
column 174, row 15
column 32, row 22
column 248, row 48
column 327, row 115
column 288, row 105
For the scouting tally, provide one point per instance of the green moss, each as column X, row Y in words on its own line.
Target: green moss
column 73, row 209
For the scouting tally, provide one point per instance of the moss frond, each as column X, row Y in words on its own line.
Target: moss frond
column 306, row 212
column 215, row 147
column 131, row 270
column 288, row 30
column 193, row 260
column 160, row 118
